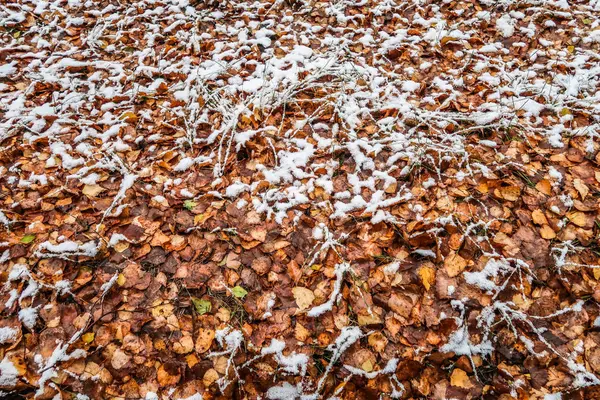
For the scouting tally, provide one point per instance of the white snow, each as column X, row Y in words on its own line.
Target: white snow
column 67, row 249
column 29, row 316
column 505, row 25
column 340, row 270
column 8, row 334
column 8, row 373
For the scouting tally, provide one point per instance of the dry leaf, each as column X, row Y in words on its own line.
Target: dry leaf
column 204, row 339
column 92, row 190
column 581, row 188
column 459, row 378
column 544, row 186
column 304, row 297
column 454, row 264
column 547, row 232
column 210, row 377
column 510, row 193
column 119, row 359
column 538, row 217
column 427, row 275
column 167, row 376
column 577, row 217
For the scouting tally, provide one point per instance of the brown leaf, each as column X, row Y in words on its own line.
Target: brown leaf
column 92, row 190
column 167, row 375
column 119, row 359
column 454, row 264
column 577, row 217
column 545, row 187
column 261, row 265
column 581, row 188
column 510, row 193
column 210, row 377
column 204, row 340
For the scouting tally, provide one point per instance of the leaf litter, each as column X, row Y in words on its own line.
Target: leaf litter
column 299, row 199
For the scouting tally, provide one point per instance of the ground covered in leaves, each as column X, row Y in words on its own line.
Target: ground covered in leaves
column 278, row 199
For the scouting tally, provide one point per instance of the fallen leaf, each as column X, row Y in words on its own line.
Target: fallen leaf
column 119, row 359
column 92, row 190
column 204, row 339
column 304, row 297
column 547, row 232
column 538, row 217
column 210, row 377
column 27, row 239
column 581, row 188
column 202, row 306
column 88, row 337
column 427, row 275
column 577, row 217
column 167, row 376
column 239, row 292
column 454, row 265
column 545, row 187
column 189, row 205
column 459, row 378
column 510, row 193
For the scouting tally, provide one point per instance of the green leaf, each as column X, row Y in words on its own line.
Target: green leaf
column 201, row 306
column 28, row 239
column 239, row 292
column 189, row 204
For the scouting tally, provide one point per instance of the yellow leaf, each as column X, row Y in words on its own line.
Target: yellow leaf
column 539, row 218
column 483, row 188
column 88, row 337
column 121, row 280
column 367, row 366
column 201, row 218
column 459, row 378
column 577, row 217
column 427, row 275
column 547, row 232
column 128, row 116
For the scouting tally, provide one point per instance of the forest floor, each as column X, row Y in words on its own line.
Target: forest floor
column 278, row 199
